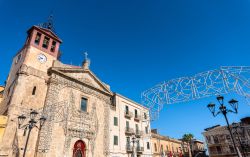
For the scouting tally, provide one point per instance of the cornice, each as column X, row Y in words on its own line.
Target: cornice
column 81, row 70
column 57, row 72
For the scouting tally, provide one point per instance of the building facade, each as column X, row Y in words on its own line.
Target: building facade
column 83, row 116
column 1, row 93
column 198, row 148
column 167, row 147
column 219, row 142
column 3, row 119
column 131, row 124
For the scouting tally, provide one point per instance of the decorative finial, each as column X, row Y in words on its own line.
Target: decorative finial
column 49, row 24
column 86, row 62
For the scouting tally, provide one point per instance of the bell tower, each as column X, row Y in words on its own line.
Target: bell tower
column 43, row 38
column 26, row 86
column 42, row 46
column 37, row 55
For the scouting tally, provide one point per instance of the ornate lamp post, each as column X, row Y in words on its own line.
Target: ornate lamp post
column 134, row 140
column 223, row 110
column 31, row 124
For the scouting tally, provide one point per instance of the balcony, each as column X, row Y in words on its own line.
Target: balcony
column 128, row 114
column 129, row 148
column 137, row 117
column 138, row 133
column 225, row 152
column 113, row 106
column 216, row 141
column 139, row 149
column 145, row 117
column 167, row 152
column 129, row 131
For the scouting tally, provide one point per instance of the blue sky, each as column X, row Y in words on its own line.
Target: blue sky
column 134, row 45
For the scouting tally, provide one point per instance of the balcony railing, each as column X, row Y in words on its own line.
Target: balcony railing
column 137, row 117
column 138, row 133
column 129, row 131
column 128, row 114
column 216, row 141
column 113, row 106
column 222, row 152
column 129, row 148
column 166, row 152
column 139, row 149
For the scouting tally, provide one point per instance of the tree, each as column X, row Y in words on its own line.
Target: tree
column 188, row 139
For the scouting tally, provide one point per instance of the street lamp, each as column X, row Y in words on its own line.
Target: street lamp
column 134, row 140
column 31, row 124
column 223, row 110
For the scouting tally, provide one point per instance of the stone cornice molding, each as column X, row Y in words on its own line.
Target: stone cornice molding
column 223, row 130
column 81, row 70
column 27, row 70
column 66, row 79
column 144, row 107
column 165, row 138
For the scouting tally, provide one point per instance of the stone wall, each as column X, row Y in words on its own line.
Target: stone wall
column 68, row 123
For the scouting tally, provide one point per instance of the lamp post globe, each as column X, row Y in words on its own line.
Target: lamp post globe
column 21, row 119
column 33, row 114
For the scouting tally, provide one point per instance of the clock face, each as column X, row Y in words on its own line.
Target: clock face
column 42, row 58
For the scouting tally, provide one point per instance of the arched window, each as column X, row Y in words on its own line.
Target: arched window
column 79, row 149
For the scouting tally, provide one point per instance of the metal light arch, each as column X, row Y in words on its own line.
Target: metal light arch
column 224, row 80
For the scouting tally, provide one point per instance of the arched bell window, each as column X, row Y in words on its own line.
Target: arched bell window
column 79, row 149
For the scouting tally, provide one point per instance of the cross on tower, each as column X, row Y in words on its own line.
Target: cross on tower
column 86, row 62
column 86, row 55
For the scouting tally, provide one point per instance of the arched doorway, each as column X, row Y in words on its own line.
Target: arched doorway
column 79, row 149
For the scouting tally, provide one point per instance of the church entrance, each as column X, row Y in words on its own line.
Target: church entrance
column 79, row 149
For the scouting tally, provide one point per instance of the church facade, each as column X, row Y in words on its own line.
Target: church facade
column 84, row 118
